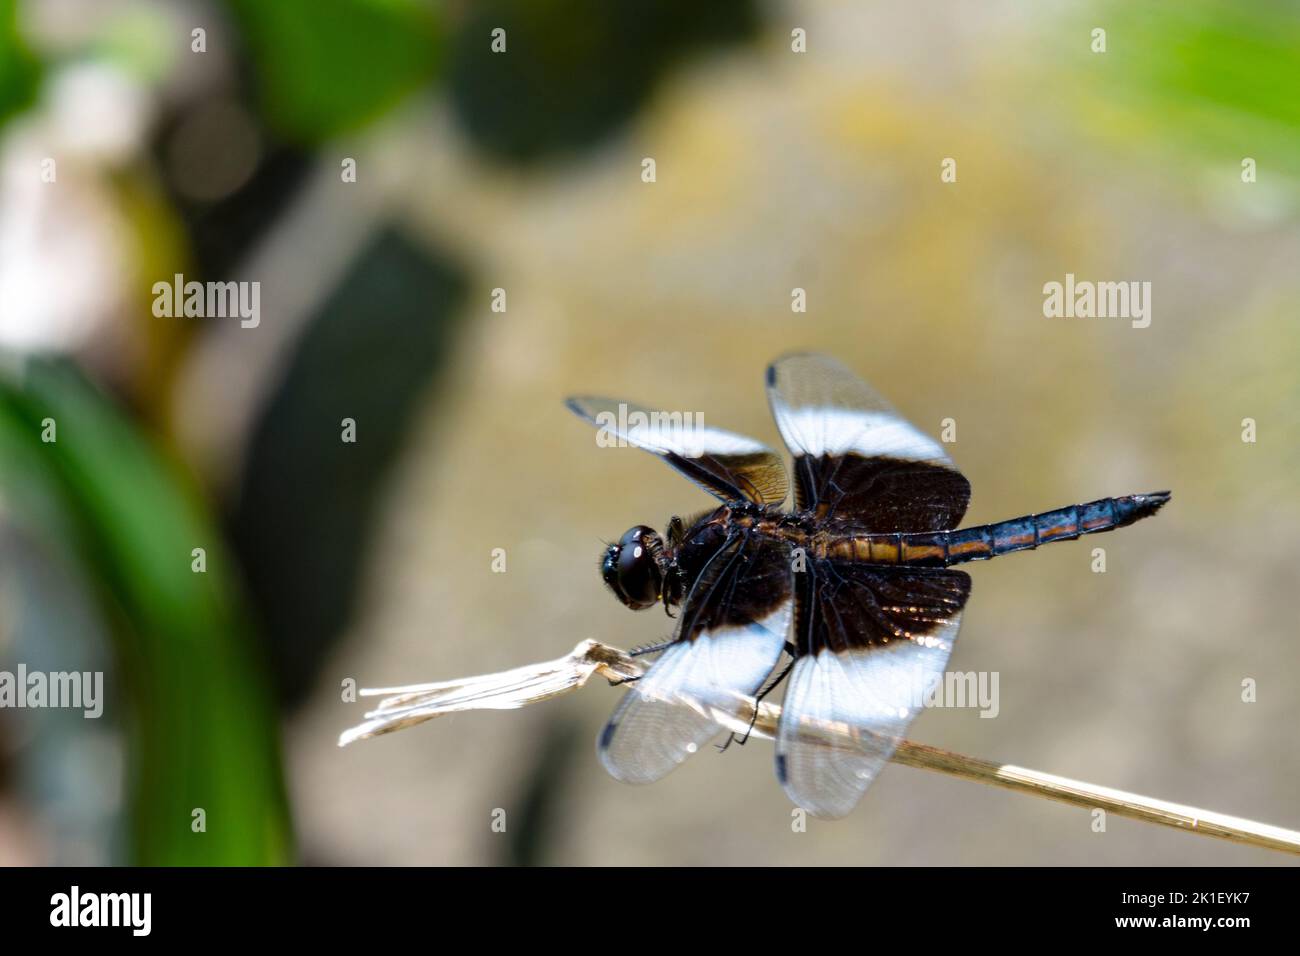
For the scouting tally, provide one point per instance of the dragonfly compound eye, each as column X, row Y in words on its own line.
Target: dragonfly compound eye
column 631, row 568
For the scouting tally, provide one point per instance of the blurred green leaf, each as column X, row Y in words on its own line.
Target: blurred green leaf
column 19, row 70
column 370, row 354
column 202, row 731
column 1216, row 77
column 140, row 41
column 574, row 71
column 328, row 66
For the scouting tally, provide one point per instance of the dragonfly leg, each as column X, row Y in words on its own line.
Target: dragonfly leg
column 758, row 699
column 649, row 649
column 638, row 652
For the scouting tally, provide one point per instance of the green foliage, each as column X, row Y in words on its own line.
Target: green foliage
column 19, row 70
column 574, row 71
column 1220, row 78
column 201, row 726
column 328, row 66
column 370, row 354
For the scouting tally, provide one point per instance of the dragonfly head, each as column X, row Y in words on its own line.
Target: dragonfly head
column 634, row 567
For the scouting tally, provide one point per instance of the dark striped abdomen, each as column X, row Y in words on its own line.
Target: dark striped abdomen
column 943, row 548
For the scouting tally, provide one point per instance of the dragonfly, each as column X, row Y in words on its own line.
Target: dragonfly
column 854, row 584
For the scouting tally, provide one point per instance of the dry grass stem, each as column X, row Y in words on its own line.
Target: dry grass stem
column 406, row 706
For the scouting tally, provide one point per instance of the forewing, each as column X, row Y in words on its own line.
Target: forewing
column 855, row 457
column 730, row 466
column 872, row 643
column 732, row 628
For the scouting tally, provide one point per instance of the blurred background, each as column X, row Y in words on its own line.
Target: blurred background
column 388, row 178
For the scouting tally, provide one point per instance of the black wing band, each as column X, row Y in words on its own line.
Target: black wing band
column 855, row 457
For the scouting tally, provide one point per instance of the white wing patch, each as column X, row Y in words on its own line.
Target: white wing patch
column 727, row 465
column 679, row 433
column 821, row 431
column 844, row 714
column 822, row 408
column 672, row 712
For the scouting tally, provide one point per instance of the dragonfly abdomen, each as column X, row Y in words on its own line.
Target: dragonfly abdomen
column 944, row 548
